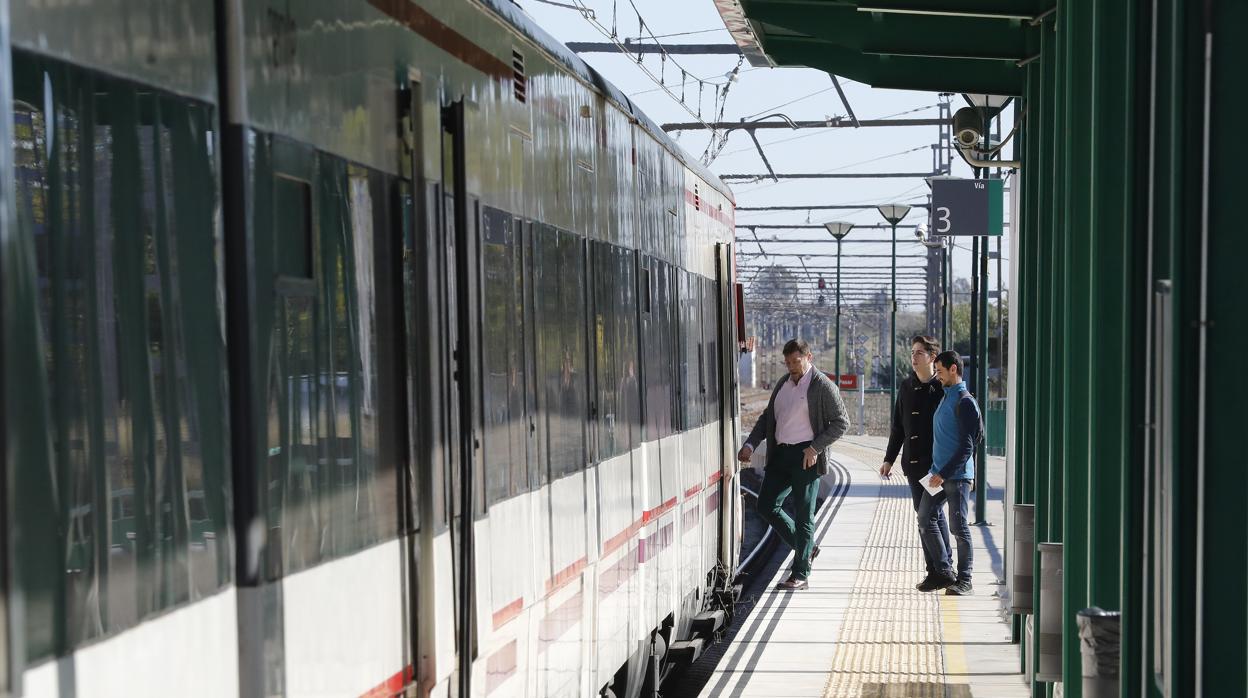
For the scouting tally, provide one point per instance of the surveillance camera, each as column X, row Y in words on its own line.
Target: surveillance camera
column 968, row 127
column 920, row 231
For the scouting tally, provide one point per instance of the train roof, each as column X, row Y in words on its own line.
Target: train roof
column 525, row 24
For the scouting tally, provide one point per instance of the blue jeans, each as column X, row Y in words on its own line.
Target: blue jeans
column 957, row 493
column 916, row 493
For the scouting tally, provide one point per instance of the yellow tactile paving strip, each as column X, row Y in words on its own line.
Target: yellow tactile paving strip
column 890, row 644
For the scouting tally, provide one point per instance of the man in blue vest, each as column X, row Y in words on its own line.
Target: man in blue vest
column 956, row 429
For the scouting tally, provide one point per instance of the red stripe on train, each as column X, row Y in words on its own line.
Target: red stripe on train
column 423, row 22
column 506, row 613
column 705, row 208
column 658, row 511
column 614, row 542
column 394, row 685
column 565, row 575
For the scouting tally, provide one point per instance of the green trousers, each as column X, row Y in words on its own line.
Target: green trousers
column 785, row 474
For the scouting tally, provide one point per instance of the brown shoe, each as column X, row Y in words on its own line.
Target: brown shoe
column 793, row 583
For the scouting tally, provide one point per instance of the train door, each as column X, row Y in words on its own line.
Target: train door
column 431, row 491
column 8, row 657
column 458, row 257
column 730, row 504
column 397, row 256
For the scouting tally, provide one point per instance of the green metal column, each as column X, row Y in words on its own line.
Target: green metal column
column 1114, row 365
column 1224, row 595
column 1177, row 221
column 1075, row 35
column 1056, row 388
column 1042, row 348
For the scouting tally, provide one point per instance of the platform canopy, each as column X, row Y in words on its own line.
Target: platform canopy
column 970, row 46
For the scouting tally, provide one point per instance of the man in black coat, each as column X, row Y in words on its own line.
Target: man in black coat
column 911, row 432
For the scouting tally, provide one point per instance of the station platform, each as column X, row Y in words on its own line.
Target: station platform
column 862, row 630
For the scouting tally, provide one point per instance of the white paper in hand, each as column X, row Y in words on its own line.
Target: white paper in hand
column 926, row 481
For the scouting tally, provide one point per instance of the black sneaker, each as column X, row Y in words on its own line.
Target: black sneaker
column 961, row 588
column 936, row 581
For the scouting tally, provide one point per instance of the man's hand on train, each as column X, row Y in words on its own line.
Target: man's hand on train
column 745, row 453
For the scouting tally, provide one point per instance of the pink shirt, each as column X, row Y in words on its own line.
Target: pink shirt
column 792, row 412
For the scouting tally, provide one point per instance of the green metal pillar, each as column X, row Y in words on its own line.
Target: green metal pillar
column 1176, row 222
column 1075, row 35
column 1224, row 594
column 1042, row 349
column 1117, row 362
column 1114, row 365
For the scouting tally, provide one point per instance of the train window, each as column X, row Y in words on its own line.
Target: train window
column 116, row 193
column 559, row 283
column 711, row 343
column 615, row 346
column 519, row 392
column 292, row 204
column 658, row 352
column 324, row 491
column 643, row 287
column 671, row 339
column 533, row 398
column 691, row 387
column 502, row 360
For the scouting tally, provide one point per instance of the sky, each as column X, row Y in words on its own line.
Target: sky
column 799, row 93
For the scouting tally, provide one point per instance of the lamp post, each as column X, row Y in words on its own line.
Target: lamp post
column 893, row 213
column 838, row 229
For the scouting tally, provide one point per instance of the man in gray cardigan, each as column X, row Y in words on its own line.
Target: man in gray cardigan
column 804, row 416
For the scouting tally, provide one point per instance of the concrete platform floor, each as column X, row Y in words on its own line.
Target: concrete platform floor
column 862, row 630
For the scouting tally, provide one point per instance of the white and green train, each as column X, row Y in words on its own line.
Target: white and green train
column 352, row 348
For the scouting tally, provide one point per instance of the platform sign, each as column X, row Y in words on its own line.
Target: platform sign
column 848, row 381
column 967, row 206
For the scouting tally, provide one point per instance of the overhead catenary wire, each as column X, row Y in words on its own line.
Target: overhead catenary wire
column 712, row 150
column 668, row 36
column 826, row 131
column 588, row 14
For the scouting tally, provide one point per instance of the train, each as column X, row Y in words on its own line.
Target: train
column 353, row 348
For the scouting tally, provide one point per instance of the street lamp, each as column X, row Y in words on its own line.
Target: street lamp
column 838, row 229
column 893, row 213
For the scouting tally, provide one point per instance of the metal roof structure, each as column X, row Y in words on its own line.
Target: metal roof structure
column 971, row 46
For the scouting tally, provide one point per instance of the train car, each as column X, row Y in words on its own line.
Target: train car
column 353, row 348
